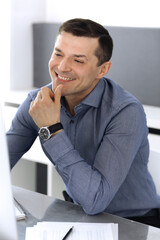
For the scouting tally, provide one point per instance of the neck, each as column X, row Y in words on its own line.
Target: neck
column 71, row 102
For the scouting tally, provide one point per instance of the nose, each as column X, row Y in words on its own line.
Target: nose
column 64, row 65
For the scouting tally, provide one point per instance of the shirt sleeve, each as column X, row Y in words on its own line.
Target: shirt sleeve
column 93, row 187
column 22, row 133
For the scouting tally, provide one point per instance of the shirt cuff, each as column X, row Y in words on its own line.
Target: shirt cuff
column 58, row 146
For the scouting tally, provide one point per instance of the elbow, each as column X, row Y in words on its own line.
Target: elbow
column 92, row 212
column 96, row 209
column 98, row 204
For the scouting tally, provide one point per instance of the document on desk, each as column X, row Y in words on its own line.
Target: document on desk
column 81, row 231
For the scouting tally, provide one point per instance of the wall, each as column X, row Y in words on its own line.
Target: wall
column 135, row 13
column 5, row 44
column 23, row 13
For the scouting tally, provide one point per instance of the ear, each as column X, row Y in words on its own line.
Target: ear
column 104, row 68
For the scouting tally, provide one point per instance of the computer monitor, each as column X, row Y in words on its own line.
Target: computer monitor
column 8, row 228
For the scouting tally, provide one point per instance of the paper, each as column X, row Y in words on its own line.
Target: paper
column 81, row 231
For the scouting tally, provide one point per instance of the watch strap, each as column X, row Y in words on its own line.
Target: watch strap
column 55, row 127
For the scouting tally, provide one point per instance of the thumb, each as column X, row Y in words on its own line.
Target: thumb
column 58, row 93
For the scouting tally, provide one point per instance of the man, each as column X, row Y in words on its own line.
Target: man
column 92, row 130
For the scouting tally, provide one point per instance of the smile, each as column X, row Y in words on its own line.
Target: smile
column 65, row 78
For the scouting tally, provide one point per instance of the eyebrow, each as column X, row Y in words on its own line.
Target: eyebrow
column 80, row 56
column 75, row 55
column 58, row 50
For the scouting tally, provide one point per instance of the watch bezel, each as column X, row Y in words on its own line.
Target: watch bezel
column 44, row 136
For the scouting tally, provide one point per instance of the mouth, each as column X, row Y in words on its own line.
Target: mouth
column 64, row 78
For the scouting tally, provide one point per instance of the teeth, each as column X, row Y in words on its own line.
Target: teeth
column 64, row 78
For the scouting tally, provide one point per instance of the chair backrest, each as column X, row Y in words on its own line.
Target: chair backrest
column 154, row 168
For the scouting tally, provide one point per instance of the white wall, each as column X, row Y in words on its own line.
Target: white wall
column 23, row 14
column 137, row 13
column 4, row 45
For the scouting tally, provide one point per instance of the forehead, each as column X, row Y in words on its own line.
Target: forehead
column 69, row 43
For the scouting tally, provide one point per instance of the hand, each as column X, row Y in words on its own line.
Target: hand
column 45, row 109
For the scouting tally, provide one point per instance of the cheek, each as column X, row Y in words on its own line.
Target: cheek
column 51, row 64
column 90, row 73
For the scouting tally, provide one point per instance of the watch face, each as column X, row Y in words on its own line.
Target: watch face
column 44, row 133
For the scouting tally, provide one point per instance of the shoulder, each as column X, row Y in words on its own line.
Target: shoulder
column 121, row 110
column 117, row 97
column 117, row 102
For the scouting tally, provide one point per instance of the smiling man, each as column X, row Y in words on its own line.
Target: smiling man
column 91, row 129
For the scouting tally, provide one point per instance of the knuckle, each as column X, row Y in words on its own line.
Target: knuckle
column 44, row 90
column 31, row 109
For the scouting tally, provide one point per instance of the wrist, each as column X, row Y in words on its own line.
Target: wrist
column 56, row 133
column 47, row 132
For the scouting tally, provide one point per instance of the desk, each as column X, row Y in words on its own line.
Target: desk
column 39, row 207
column 153, row 118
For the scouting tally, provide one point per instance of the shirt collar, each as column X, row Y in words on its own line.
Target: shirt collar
column 94, row 98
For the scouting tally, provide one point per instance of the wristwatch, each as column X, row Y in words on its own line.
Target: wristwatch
column 46, row 132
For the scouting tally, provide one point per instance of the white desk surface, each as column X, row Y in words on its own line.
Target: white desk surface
column 16, row 96
column 153, row 116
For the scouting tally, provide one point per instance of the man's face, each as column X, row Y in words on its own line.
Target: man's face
column 74, row 65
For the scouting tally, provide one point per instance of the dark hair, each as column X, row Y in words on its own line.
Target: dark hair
column 88, row 28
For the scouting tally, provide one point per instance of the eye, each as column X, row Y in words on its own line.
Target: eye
column 58, row 55
column 78, row 61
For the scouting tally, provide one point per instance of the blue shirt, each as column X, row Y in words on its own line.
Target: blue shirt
column 102, row 153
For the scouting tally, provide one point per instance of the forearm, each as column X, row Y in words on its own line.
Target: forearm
column 18, row 146
column 86, row 185
column 21, row 134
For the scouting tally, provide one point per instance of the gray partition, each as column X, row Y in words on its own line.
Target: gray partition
column 136, row 59
column 44, row 35
column 136, row 62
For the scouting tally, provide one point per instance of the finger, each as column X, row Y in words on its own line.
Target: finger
column 46, row 92
column 39, row 95
column 31, row 107
column 58, row 93
column 32, row 103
